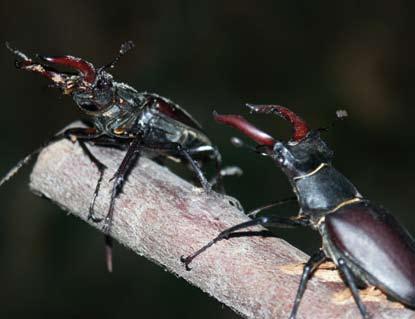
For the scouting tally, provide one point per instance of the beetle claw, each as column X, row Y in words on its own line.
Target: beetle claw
column 186, row 261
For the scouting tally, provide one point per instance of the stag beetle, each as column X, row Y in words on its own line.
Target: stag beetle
column 121, row 117
column 367, row 244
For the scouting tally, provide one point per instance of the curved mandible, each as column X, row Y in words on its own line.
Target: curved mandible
column 246, row 128
column 84, row 67
column 23, row 62
column 299, row 125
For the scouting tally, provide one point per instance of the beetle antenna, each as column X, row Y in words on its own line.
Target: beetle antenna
column 125, row 47
column 340, row 116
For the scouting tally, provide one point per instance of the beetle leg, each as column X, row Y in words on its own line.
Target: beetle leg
column 218, row 178
column 196, row 168
column 272, row 221
column 13, row 171
column 214, row 154
column 176, row 148
column 311, row 265
column 101, row 168
column 81, row 135
column 73, row 132
column 350, row 281
column 119, row 178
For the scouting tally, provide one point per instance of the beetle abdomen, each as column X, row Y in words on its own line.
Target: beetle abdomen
column 374, row 242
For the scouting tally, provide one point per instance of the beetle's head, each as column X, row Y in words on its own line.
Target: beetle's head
column 303, row 153
column 92, row 89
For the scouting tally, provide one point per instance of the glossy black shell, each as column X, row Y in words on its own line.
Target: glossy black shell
column 324, row 190
column 375, row 246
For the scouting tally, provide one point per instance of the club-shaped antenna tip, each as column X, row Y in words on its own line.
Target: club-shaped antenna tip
column 235, row 141
column 341, row 114
column 126, row 46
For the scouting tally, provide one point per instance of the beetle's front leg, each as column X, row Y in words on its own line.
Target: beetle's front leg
column 119, row 178
column 101, row 168
column 81, row 135
column 220, row 172
column 73, row 134
column 272, row 221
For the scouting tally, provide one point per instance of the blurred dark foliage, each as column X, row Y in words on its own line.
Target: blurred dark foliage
column 314, row 57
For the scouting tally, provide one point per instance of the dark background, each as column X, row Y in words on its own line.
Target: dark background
column 315, row 57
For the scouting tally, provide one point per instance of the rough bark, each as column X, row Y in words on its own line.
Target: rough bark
column 161, row 216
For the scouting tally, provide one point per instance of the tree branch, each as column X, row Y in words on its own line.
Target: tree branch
column 162, row 217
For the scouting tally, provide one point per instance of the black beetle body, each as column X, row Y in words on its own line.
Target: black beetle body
column 362, row 239
column 122, row 117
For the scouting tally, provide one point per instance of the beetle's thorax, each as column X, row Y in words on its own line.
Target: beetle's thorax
column 319, row 187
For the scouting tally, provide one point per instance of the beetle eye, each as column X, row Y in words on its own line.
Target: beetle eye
column 103, row 84
column 280, row 158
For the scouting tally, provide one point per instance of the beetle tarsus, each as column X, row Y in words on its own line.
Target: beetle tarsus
column 186, row 261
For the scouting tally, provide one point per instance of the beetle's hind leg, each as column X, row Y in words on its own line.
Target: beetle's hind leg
column 351, row 282
column 212, row 153
column 177, row 149
column 222, row 172
column 311, row 265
